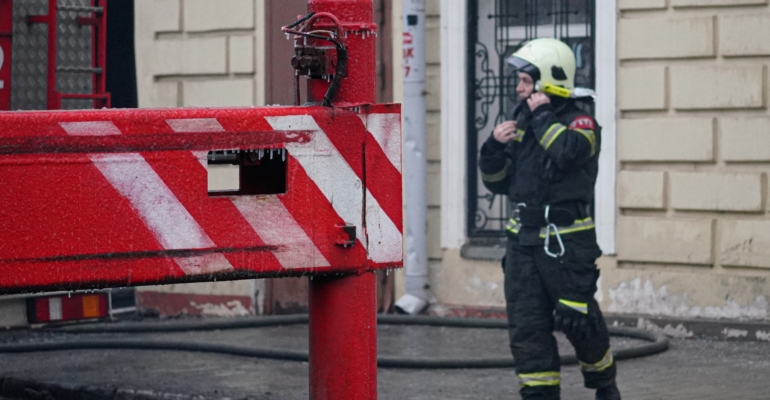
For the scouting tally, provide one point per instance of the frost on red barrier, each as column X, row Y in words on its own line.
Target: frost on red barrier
column 122, row 197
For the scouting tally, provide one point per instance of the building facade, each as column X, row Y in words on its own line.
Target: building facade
column 681, row 205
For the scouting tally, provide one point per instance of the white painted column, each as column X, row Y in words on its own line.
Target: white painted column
column 453, row 123
column 606, row 115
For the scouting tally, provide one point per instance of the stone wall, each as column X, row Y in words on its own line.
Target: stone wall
column 200, row 52
column 694, row 154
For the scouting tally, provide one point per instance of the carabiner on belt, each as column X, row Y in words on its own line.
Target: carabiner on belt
column 549, row 226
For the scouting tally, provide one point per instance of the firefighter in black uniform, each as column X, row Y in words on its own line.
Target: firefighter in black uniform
column 546, row 160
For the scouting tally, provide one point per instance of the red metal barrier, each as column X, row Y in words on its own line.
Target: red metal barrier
column 121, row 197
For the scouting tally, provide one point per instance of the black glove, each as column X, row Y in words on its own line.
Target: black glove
column 577, row 319
column 523, row 115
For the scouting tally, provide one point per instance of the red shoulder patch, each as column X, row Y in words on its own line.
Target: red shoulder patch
column 582, row 122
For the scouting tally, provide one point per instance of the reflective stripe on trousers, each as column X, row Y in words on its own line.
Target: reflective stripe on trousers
column 599, row 366
column 551, row 378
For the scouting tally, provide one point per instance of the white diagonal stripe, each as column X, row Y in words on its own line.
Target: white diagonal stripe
column 386, row 129
column 195, row 125
column 161, row 211
column 270, row 219
column 156, row 204
column 90, row 128
column 385, row 241
column 187, row 125
column 325, row 166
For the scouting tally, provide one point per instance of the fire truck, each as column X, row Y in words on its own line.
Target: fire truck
column 53, row 55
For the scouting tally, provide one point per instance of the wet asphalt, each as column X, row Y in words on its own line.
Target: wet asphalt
column 691, row 369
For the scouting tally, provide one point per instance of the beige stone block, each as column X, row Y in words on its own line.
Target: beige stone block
column 458, row 280
column 745, row 139
column 433, row 8
column 716, row 3
column 165, row 14
column 716, row 191
column 641, row 189
column 434, row 233
column 433, row 88
column 189, row 57
column 432, row 41
column 641, row 4
column 687, row 293
column 666, row 139
column 242, row 54
column 220, row 93
column 642, row 88
column 745, row 244
column 433, row 136
column 208, row 15
column 711, row 87
column 434, row 184
column 648, row 239
column 163, row 94
column 223, row 177
column 666, row 37
column 744, row 35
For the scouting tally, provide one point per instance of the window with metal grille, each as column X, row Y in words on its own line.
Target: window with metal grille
column 496, row 29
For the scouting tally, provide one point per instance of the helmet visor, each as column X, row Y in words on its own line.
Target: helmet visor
column 524, row 66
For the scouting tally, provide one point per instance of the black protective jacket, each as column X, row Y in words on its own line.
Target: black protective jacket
column 554, row 162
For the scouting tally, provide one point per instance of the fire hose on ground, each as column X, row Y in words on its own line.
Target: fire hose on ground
column 657, row 342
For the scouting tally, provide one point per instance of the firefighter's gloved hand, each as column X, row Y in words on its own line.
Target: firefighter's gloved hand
column 575, row 318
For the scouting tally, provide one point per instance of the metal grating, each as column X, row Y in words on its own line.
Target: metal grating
column 74, row 52
column 29, row 56
column 30, row 44
column 496, row 29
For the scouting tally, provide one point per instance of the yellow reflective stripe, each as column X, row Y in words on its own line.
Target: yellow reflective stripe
column 578, row 226
column 498, row 176
column 591, row 136
column 599, row 366
column 512, row 226
column 551, row 134
column 579, row 307
column 540, row 379
column 521, row 133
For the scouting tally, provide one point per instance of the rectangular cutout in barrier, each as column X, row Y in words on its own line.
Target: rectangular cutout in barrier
column 246, row 172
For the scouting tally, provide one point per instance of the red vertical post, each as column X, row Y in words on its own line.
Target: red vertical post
column 99, row 54
column 54, row 100
column 343, row 321
column 6, row 32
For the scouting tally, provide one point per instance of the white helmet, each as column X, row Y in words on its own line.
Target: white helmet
column 547, row 60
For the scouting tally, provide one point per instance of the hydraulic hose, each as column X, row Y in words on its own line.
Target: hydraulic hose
column 658, row 342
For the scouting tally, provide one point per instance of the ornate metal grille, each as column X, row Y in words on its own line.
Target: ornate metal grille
column 496, row 29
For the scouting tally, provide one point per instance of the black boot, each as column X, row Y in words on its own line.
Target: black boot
column 609, row 392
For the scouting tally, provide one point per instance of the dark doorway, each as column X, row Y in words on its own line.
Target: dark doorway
column 121, row 60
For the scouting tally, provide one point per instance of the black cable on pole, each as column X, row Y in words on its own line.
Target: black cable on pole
column 658, row 342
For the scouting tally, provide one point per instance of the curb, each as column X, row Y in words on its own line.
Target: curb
column 23, row 389
column 743, row 331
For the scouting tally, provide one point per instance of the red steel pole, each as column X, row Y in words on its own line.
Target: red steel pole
column 6, row 33
column 343, row 321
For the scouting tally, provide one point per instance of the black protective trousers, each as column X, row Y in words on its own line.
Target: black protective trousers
column 533, row 282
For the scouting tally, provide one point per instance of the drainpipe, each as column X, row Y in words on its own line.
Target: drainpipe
column 413, row 110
